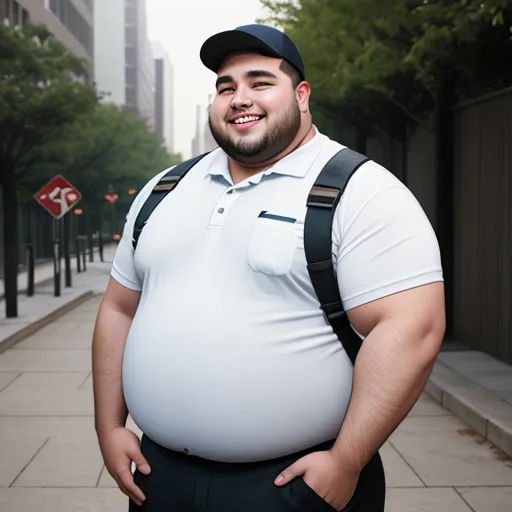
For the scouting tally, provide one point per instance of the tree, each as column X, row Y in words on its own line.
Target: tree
column 372, row 61
column 43, row 88
column 109, row 150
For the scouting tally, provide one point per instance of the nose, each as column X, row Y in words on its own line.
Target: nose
column 241, row 99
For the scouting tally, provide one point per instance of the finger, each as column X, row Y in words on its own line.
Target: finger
column 140, row 461
column 124, row 490
column 132, row 490
column 291, row 472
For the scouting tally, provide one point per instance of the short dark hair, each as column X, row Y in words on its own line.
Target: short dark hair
column 289, row 70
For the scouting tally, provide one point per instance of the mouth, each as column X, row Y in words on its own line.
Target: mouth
column 246, row 123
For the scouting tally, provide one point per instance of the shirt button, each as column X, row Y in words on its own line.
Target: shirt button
column 221, row 210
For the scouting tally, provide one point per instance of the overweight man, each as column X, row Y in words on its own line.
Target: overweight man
column 210, row 334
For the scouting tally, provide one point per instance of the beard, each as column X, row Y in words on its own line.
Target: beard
column 277, row 138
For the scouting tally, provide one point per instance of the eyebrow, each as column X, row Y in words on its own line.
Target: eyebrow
column 254, row 73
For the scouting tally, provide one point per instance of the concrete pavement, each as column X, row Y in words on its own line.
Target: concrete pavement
column 50, row 461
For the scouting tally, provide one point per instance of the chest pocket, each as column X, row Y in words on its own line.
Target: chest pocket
column 274, row 242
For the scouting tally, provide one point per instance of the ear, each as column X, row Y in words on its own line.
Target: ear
column 303, row 93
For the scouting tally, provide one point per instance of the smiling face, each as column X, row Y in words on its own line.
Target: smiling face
column 256, row 113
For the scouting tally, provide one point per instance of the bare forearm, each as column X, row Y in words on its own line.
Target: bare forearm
column 389, row 376
column 110, row 335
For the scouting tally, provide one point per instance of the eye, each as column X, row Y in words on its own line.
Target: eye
column 222, row 91
column 261, row 84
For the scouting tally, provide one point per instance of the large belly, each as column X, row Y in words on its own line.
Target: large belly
column 233, row 390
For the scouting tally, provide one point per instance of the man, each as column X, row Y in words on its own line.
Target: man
column 210, row 334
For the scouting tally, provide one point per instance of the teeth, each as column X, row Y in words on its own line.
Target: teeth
column 247, row 119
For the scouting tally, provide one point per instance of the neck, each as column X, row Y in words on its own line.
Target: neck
column 240, row 172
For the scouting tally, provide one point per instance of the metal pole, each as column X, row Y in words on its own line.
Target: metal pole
column 56, row 268
column 84, row 253
column 30, row 268
column 78, row 260
column 100, row 236
column 67, row 258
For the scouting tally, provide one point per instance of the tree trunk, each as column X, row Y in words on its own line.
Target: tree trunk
column 10, row 213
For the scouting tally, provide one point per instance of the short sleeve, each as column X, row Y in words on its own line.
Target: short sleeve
column 123, row 267
column 386, row 243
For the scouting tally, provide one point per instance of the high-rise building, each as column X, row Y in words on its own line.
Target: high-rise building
column 209, row 143
column 140, row 88
column 164, row 96
column 123, row 58
column 197, row 141
column 70, row 21
column 109, row 50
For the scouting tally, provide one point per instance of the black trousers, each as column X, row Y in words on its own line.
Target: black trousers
column 185, row 483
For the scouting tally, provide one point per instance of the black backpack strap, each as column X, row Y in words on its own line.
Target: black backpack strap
column 322, row 202
column 167, row 183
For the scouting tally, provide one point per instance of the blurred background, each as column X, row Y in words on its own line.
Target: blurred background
column 108, row 93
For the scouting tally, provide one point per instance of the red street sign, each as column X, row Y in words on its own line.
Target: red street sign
column 58, row 197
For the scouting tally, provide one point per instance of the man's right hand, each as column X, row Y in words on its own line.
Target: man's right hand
column 120, row 448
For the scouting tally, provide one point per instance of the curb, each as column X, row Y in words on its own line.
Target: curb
column 486, row 412
column 32, row 328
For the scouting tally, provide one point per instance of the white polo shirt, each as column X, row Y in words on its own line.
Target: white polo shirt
column 229, row 355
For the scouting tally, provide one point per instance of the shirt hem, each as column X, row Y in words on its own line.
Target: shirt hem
column 384, row 291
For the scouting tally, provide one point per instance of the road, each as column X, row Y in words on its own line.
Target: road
column 50, row 461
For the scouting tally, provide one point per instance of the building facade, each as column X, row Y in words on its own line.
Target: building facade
column 123, row 59
column 109, row 50
column 70, row 21
column 140, row 76
column 164, row 96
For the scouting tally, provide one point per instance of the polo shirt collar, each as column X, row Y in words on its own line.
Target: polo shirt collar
column 295, row 164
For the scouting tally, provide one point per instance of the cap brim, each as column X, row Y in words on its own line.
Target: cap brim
column 218, row 47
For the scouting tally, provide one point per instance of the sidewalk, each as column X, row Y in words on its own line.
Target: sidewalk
column 42, row 308
column 50, row 461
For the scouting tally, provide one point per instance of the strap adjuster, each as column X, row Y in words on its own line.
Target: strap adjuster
column 167, row 183
column 334, row 313
column 324, row 197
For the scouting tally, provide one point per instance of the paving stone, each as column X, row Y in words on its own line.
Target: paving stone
column 46, row 360
column 106, row 480
column 398, row 472
column 64, row 463
column 7, row 378
column 425, row 500
column 488, row 499
column 426, row 406
column 43, row 403
column 439, row 452
column 16, row 452
column 62, row 500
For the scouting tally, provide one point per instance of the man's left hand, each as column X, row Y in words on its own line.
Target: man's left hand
column 326, row 475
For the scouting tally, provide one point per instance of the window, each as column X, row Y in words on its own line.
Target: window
column 130, row 76
column 131, row 96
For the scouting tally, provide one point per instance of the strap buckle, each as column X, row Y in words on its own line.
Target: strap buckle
column 334, row 313
column 166, row 183
column 324, row 197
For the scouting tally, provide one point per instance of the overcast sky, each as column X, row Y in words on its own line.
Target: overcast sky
column 182, row 26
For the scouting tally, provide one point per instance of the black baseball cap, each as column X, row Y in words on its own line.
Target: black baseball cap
column 257, row 38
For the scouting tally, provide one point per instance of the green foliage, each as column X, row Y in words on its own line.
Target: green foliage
column 42, row 88
column 376, row 62
column 110, row 146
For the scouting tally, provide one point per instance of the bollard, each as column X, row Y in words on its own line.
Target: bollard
column 30, row 269
column 100, row 245
column 78, row 260
column 84, row 253
column 56, row 268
